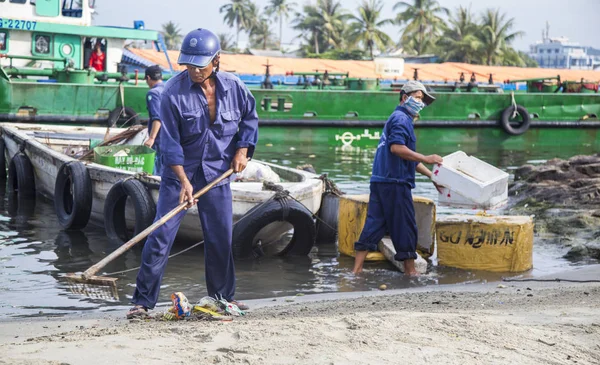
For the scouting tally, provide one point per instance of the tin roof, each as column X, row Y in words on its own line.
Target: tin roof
column 450, row 71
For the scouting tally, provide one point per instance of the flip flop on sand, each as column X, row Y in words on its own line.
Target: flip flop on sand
column 138, row 311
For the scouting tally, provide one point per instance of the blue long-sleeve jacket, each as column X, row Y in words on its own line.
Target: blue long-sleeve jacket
column 188, row 137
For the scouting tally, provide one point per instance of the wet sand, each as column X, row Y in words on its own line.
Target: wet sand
column 493, row 323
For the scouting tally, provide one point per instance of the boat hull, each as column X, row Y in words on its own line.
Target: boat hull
column 27, row 101
column 46, row 161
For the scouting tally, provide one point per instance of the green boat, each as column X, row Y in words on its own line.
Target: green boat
column 45, row 79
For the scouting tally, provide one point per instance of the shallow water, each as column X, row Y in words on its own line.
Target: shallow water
column 35, row 252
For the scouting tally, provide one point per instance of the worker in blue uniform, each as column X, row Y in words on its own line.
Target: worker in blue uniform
column 209, row 124
column 154, row 80
column 390, row 206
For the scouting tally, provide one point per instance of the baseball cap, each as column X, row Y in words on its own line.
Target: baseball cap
column 154, row 72
column 413, row 86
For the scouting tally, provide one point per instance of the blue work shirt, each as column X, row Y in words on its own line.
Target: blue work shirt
column 153, row 106
column 387, row 167
column 188, row 137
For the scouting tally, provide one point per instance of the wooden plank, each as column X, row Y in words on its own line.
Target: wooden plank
column 387, row 248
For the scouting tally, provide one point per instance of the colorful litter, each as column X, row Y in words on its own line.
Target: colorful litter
column 207, row 308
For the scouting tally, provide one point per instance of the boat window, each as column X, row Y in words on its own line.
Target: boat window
column 18, row 1
column 3, row 41
column 72, row 8
column 42, row 44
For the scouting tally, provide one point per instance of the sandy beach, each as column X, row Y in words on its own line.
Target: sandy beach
column 492, row 323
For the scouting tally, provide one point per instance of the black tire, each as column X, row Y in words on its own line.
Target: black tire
column 123, row 116
column 114, row 209
column 2, row 160
column 245, row 231
column 515, row 128
column 21, row 179
column 327, row 219
column 73, row 195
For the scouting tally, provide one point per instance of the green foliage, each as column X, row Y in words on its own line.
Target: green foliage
column 172, row 35
column 327, row 30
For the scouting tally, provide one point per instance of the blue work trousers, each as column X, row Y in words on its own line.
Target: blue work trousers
column 390, row 210
column 216, row 217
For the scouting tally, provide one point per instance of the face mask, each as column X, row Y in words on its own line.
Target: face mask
column 413, row 106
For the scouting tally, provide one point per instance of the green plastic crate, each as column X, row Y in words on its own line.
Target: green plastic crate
column 138, row 159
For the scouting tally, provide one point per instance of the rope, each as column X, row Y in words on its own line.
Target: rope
column 280, row 194
column 330, row 186
column 514, row 104
column 552, row 280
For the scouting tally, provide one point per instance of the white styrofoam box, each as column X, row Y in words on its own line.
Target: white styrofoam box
column 448, row 198
column 471, row 178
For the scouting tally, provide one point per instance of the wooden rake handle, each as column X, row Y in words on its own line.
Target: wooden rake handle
column 143, row 234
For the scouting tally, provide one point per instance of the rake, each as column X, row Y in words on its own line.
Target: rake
column 91, row 285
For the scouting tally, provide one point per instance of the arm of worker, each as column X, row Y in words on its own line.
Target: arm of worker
column 170, row 147
column 153, row 106
column 247, row 131
column 407, row 154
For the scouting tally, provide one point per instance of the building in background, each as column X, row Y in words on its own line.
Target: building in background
column 558, row 52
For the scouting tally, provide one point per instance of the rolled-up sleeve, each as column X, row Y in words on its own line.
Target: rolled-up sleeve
column 248, row 127
column 171, row 150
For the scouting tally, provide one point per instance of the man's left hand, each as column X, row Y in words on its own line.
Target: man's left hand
column 239, row 162
column 438, row 187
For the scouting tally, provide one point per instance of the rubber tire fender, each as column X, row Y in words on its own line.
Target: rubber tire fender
column 273, row 210
column 21, row 178
column 327, row 219
column 114, row 209
column 73, row 195
column 505, row 120
column 2, row 160
column 115, row 115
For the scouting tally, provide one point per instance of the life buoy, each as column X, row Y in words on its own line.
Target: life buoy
column 327, row 219
column 73, row 195
column 277, row 210
column 2, row 160
column 516, row 129
column 114, row 209
column 123, row 116
column 21, row 179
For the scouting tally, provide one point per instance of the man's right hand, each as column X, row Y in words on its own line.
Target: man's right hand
column 433, row 159
column 187, row 194
column 149, row 142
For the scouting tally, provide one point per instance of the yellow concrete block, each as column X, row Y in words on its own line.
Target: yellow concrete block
column 352, row 216
column 490, row 243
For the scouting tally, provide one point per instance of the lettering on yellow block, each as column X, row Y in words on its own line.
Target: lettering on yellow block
column 477, row 237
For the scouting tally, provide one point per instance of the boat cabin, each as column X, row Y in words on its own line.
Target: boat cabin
column 59, row 33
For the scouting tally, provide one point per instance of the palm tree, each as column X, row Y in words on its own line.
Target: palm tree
column 281, row 9
column 460, row 42
column 309, row 23
column 495, row 35
column 322, row 24
column 423, row 23
column 226, row 41
column 172, row 34
column 365, row 26
column 261, row 35
column 237, row 12
column 334, row 21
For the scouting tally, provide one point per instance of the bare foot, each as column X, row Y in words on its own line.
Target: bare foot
column 409, row 268
column 359, row 260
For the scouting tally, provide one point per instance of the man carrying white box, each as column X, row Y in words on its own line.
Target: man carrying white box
column 393, row 177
